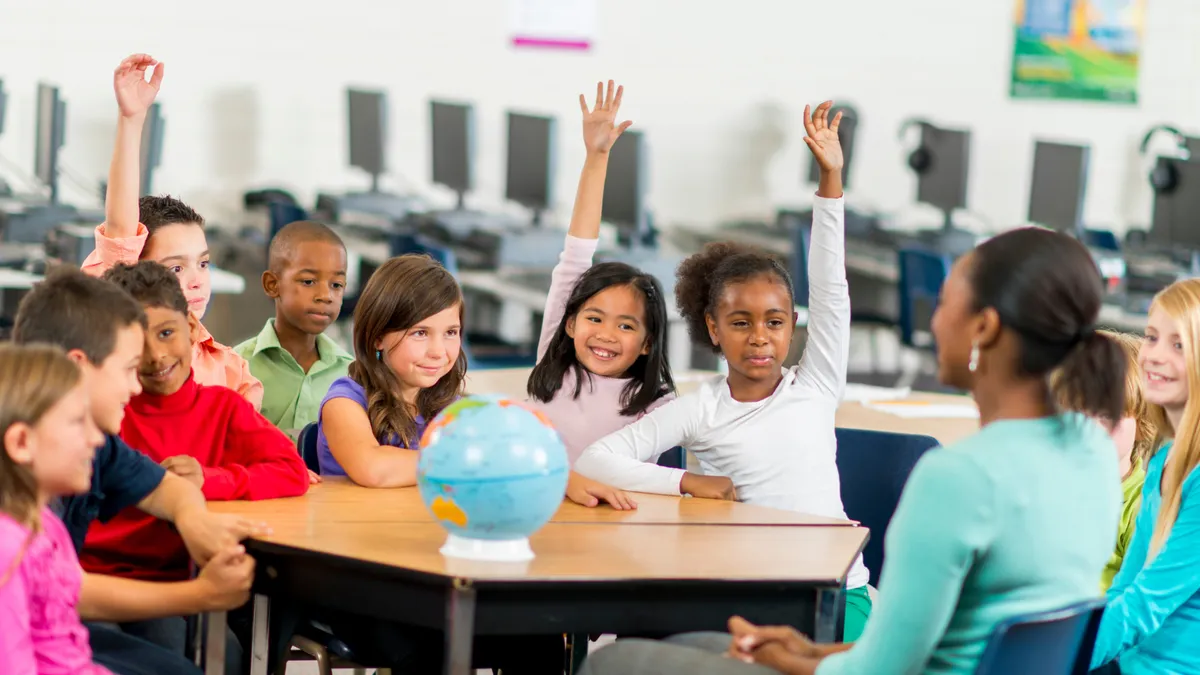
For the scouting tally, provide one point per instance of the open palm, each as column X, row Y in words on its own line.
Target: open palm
column 134, row 93
column 599, row 130
column 822, row 136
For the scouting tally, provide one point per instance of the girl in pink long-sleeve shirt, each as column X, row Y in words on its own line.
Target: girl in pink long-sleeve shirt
column 602, row 356
column 49, row 439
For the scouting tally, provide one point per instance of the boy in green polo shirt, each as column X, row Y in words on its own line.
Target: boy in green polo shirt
column 292, row 356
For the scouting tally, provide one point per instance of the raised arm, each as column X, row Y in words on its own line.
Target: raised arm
column 625, row 458
column 599, row 134
column 827, row 353
column 134, row 97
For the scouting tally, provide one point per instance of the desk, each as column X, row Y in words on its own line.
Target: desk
column 689, row 566
column 511, row 382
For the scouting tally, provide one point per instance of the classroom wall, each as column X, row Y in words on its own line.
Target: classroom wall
column 254, row 93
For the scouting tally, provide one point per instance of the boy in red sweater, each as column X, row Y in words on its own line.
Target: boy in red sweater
column 209, row 435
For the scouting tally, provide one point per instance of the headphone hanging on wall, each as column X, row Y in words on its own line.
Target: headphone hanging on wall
column 920, row 160
column 1164, row 177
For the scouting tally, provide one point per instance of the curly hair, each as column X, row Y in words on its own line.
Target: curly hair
column 703, row 277
column 150, row 284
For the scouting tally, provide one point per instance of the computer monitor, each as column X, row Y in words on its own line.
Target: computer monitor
column 944, row 183
column 1058, row 186
column 152, row 146
column 51, row 130
column 452, row 145
column 625, row 189
column 1192, row 144
column 846, row 132
column 367, row 121
column 530, row 171
column 1176, row 219
column 3, row 105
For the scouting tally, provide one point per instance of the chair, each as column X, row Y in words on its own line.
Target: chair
column 307, row 444
column 281, row 214
column 1057, row 642
column 873, row 467
column 922, row 273
column 402, row 244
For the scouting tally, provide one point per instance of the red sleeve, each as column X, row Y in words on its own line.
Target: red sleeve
column 258, row 461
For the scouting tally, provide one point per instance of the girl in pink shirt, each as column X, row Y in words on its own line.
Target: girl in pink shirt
column 162, row 229
column 602, row 356
column 49, row 439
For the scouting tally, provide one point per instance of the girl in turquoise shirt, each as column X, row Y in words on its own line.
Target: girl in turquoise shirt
column 1018, row 518
column 1152, row 621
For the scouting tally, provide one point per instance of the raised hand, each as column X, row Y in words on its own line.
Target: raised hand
column 134, row 93
column 821, row 137
column 599, row 128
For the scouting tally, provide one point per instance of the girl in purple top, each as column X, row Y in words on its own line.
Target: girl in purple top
column 602, row 356
column 49, row 439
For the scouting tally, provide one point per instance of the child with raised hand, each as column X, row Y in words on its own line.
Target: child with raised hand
column 161, row 229
column 602, row 356
column 1151, row 623
column 763, row 433
column 1134, row 433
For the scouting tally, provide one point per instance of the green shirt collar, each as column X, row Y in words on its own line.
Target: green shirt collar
column 328, row 351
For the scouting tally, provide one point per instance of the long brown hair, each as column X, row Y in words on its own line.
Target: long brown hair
column 1181, row 302
column 33, row 378
column 400, row 294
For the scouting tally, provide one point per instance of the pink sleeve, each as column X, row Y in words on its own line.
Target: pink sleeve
column 111, row 251
column 16, row 640
column 576, row 258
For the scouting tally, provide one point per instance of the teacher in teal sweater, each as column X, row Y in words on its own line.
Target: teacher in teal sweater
column 1021, row 517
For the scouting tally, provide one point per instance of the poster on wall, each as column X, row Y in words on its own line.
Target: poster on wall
column 1077, row 49
column 554, row 24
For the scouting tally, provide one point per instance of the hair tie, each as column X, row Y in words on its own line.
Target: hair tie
column 1085, row 332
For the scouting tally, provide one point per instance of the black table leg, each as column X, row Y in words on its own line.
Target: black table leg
column 460, row 627
column 829, row 615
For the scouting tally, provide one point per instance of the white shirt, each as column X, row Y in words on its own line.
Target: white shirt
column 779, row 452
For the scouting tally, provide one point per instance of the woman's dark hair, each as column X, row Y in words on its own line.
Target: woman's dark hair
column 400, row 294
column 703, row 277
column 1046, row 288
column 649, row 376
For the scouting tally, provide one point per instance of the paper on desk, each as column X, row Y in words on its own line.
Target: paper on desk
column 923, row 410
column 865, row 393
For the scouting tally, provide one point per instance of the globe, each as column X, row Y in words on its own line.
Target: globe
column 492, row 472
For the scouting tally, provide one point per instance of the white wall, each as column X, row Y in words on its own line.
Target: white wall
column 254, row 92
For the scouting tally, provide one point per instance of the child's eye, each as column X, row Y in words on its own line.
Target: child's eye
column 418, row 333
column 453, row 332
column 626, row 326
column 163, row 335
column 594, row 319
column 307, row 282
column 740, row 324
column 176, row 269
column 337, row 285
column 204, row 264
column 774, row 323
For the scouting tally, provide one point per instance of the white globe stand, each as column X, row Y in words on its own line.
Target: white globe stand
column 511, row 550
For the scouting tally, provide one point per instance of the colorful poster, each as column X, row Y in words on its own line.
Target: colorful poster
column 554, row 24
column 1077, row 49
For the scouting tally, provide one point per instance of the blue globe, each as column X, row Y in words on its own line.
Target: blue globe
column 491, row 469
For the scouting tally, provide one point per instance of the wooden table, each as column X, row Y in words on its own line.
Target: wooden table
column 511, row 382
column 674, row 565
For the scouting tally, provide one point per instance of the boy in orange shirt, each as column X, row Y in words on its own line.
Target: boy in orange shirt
column 161, row 229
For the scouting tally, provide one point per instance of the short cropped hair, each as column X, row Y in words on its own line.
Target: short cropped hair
column 73, row 310
column 283, row 246
column 159, row 211
column 150, row 284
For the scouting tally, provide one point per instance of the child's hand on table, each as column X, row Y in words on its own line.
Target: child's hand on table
column 707, row 487
column 589, row 493
column 205, row 533
column 313, row 477
column 186, row 467
column 227, row 578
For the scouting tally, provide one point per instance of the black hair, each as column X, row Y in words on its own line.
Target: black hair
column 73, row 310
column 649, row 376
column 283, row 245
column 1045, row 288
column 159, row 211
column 703, row 277
column 150, row 284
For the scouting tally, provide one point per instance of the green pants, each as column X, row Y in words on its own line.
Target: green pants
column 858, row 608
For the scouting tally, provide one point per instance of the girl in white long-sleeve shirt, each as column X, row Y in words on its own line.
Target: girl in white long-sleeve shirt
column 762, row 432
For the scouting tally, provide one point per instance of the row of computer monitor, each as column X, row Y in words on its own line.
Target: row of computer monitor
column 50, row 136
column 530, row 164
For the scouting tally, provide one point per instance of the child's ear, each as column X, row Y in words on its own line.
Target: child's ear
column 712, row 330
column 646, row 347
column 193, row 327
column 270, row 284
column 17, row 441
column 571, row 327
